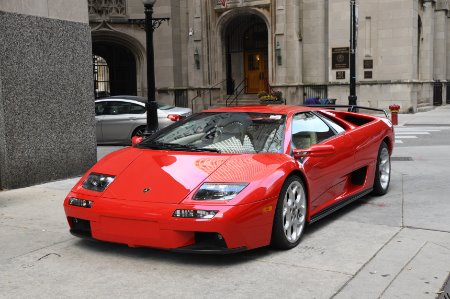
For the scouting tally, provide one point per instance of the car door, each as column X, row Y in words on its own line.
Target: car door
column 117, row 122
column 327, row 176
column 100, row 110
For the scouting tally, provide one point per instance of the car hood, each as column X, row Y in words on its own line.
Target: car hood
column 162, row 176
column 169, row 177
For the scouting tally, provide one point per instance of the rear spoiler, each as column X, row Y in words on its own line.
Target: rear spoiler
column 351, row 108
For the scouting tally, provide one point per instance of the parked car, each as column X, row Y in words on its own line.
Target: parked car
column 233, row 179
column 119, row 118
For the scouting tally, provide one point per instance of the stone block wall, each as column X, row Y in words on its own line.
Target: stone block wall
column 47, row 124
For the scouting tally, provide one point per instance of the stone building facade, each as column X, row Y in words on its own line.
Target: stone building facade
column 212, row 48
column 47, row 125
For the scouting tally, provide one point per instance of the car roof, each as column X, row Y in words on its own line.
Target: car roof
column 277, row 109
column 125, row 97
column 120, row 99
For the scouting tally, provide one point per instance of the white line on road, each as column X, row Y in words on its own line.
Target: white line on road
column 398, row 141
column 406, row 137
column 409, row 133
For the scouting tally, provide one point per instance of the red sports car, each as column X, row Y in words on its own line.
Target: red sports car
column 233, row 179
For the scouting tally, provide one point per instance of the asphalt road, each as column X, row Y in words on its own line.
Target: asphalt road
column 394, row 246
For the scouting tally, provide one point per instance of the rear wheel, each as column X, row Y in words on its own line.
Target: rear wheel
column 290, row 214
column 383, row 171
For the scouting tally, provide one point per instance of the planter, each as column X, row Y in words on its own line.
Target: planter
column 264, row 102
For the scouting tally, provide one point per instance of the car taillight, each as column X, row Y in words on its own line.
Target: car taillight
column 174, row 117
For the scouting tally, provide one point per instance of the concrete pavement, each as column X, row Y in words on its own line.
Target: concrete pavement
column 395, row 246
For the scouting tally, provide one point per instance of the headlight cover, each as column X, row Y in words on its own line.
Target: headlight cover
column 219, row 191
column 97, row 181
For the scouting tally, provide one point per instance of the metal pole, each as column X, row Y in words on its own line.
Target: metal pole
column 352, row 97
column 152, row 106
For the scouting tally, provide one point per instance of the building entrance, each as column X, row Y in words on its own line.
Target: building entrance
column 246, row 53
column 121, row 66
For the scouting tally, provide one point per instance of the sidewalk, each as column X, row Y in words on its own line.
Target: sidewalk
column 394, row 246
column 439, row 116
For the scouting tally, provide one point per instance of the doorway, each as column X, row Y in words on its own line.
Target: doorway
column 255, row 66
column 246, row 49
column 121, row 65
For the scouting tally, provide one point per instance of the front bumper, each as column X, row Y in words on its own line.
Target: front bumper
column 144, row 224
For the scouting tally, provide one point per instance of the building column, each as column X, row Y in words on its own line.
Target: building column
column 427, row 49
column 440, row 41
column 287, row 43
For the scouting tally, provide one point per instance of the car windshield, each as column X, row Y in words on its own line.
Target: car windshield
column 225, row 132
column 164, row 106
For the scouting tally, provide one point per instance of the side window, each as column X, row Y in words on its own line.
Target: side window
column 116, row 108
column 137, row 109
column 334, row 125
column 100, row 108
column 308, row 129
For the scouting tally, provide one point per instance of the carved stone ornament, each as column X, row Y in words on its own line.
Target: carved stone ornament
column 105, row 9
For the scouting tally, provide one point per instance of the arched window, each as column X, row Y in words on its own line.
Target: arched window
column 101, row 77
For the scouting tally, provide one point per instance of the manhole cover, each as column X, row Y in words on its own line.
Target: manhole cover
column 445, row 290
column 401, row 158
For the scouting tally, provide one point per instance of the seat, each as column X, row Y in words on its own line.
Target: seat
column 304, row 140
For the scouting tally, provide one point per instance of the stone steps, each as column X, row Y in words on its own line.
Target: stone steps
column 424, row 107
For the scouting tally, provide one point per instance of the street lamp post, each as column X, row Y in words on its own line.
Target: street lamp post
column 152, row 107
column 352, row 97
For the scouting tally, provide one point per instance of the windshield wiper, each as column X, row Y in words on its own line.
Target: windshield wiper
column 179, row 147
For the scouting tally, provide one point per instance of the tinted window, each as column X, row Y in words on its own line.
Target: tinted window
column 334, row 125
column 308, row 129
column 137, row 109
column 115, row 108
column 100, row 108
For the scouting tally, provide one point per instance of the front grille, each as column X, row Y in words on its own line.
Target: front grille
column 80, row 227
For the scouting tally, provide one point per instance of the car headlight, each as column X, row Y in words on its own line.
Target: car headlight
column 98, row 182
column 218, row 191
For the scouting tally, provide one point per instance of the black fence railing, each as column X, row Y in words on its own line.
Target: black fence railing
column 233, row 98
column 181, row 99
column 447, row 98
column 207, row 92
column 315, row 91
column 437, row 93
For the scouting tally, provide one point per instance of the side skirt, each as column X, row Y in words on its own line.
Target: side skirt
column 340, row 204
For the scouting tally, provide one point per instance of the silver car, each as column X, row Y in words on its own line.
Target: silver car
column 119, row 118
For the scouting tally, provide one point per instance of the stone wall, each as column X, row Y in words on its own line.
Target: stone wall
column 47, row 125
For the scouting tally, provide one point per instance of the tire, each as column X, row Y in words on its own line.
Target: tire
column 290, row 214
column 139, row 131
column 383, row 171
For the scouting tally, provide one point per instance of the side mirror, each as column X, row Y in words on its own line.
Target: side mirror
column 317, row 150
column 136, row 140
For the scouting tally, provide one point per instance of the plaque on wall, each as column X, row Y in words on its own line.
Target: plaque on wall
column 340, row 58
column 368, row 63
column 340, row 75
column 367, row 74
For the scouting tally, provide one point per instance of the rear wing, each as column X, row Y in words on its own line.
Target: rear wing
column 351, row 108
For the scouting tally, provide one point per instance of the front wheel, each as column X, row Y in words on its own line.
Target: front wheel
column 139, row 131
column 290, row 214
column 383, row 171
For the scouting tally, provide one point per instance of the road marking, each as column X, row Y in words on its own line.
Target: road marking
column 415, row 133
column 398, row 141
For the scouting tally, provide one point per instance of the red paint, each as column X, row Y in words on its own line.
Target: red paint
column 125, row 213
